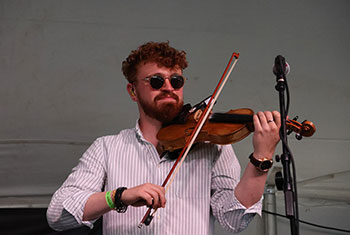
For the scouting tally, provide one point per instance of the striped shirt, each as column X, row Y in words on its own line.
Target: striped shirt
column 202, row 191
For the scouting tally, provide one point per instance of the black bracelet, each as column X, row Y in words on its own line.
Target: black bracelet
column 120, row 207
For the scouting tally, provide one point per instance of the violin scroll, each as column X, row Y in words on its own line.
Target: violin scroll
column 306, row 128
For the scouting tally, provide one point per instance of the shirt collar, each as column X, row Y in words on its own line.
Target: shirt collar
column 138, row 133
column 142, row 140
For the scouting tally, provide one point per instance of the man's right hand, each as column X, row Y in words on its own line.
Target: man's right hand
column 148, row 194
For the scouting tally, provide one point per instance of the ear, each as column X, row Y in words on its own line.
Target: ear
column 131, row 90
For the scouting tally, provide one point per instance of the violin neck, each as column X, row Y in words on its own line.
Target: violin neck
column 230, row 118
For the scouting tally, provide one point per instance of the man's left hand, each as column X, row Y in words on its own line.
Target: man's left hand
column 266, row 134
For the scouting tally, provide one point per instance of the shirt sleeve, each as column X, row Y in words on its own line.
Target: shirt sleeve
column 67, row 204
column 226, row 208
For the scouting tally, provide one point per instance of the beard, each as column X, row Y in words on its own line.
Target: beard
column 164, row 113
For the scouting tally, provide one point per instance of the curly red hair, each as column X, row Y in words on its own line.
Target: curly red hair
column 158, row 52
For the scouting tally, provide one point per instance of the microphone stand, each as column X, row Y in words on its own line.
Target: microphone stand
column 289, row 196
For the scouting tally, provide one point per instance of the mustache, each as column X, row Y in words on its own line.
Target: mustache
column 166, row 94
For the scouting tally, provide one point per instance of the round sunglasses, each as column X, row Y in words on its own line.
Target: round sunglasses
column 157, row 81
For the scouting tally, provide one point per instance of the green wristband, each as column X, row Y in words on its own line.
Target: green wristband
column 109, row 200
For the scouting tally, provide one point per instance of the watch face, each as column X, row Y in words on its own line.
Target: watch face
column 266, row 165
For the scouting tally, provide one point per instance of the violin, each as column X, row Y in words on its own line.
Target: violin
column 221, row 128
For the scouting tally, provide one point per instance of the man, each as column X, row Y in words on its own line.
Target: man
column 125, row 171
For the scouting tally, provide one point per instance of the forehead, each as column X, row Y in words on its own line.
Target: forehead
column 150, row 68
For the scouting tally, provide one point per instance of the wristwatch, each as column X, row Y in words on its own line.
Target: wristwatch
column 263, row 164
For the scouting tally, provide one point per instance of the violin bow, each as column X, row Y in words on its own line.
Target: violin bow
column 230, row 66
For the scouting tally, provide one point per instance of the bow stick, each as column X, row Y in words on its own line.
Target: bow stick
column 148, row 216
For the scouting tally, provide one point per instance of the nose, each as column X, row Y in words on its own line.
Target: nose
column 167, row 85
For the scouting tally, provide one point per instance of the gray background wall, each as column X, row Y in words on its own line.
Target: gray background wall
column 61, row 85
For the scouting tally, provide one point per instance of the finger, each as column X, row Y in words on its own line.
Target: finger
column 154, row 202
column 161, row 195
column 269, row 117
column 256, row 122
column 144, row 200
column 277, row 118
column 263, row 120
column 139, row 203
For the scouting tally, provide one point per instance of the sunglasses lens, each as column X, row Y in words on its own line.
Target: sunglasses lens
column 156, row 82
column 177, row 82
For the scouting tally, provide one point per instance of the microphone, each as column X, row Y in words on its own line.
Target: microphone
column 281, row 68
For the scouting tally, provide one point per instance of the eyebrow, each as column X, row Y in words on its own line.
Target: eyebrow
column 160, row 74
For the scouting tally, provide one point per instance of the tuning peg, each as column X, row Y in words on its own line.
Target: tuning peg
column 298, row 136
